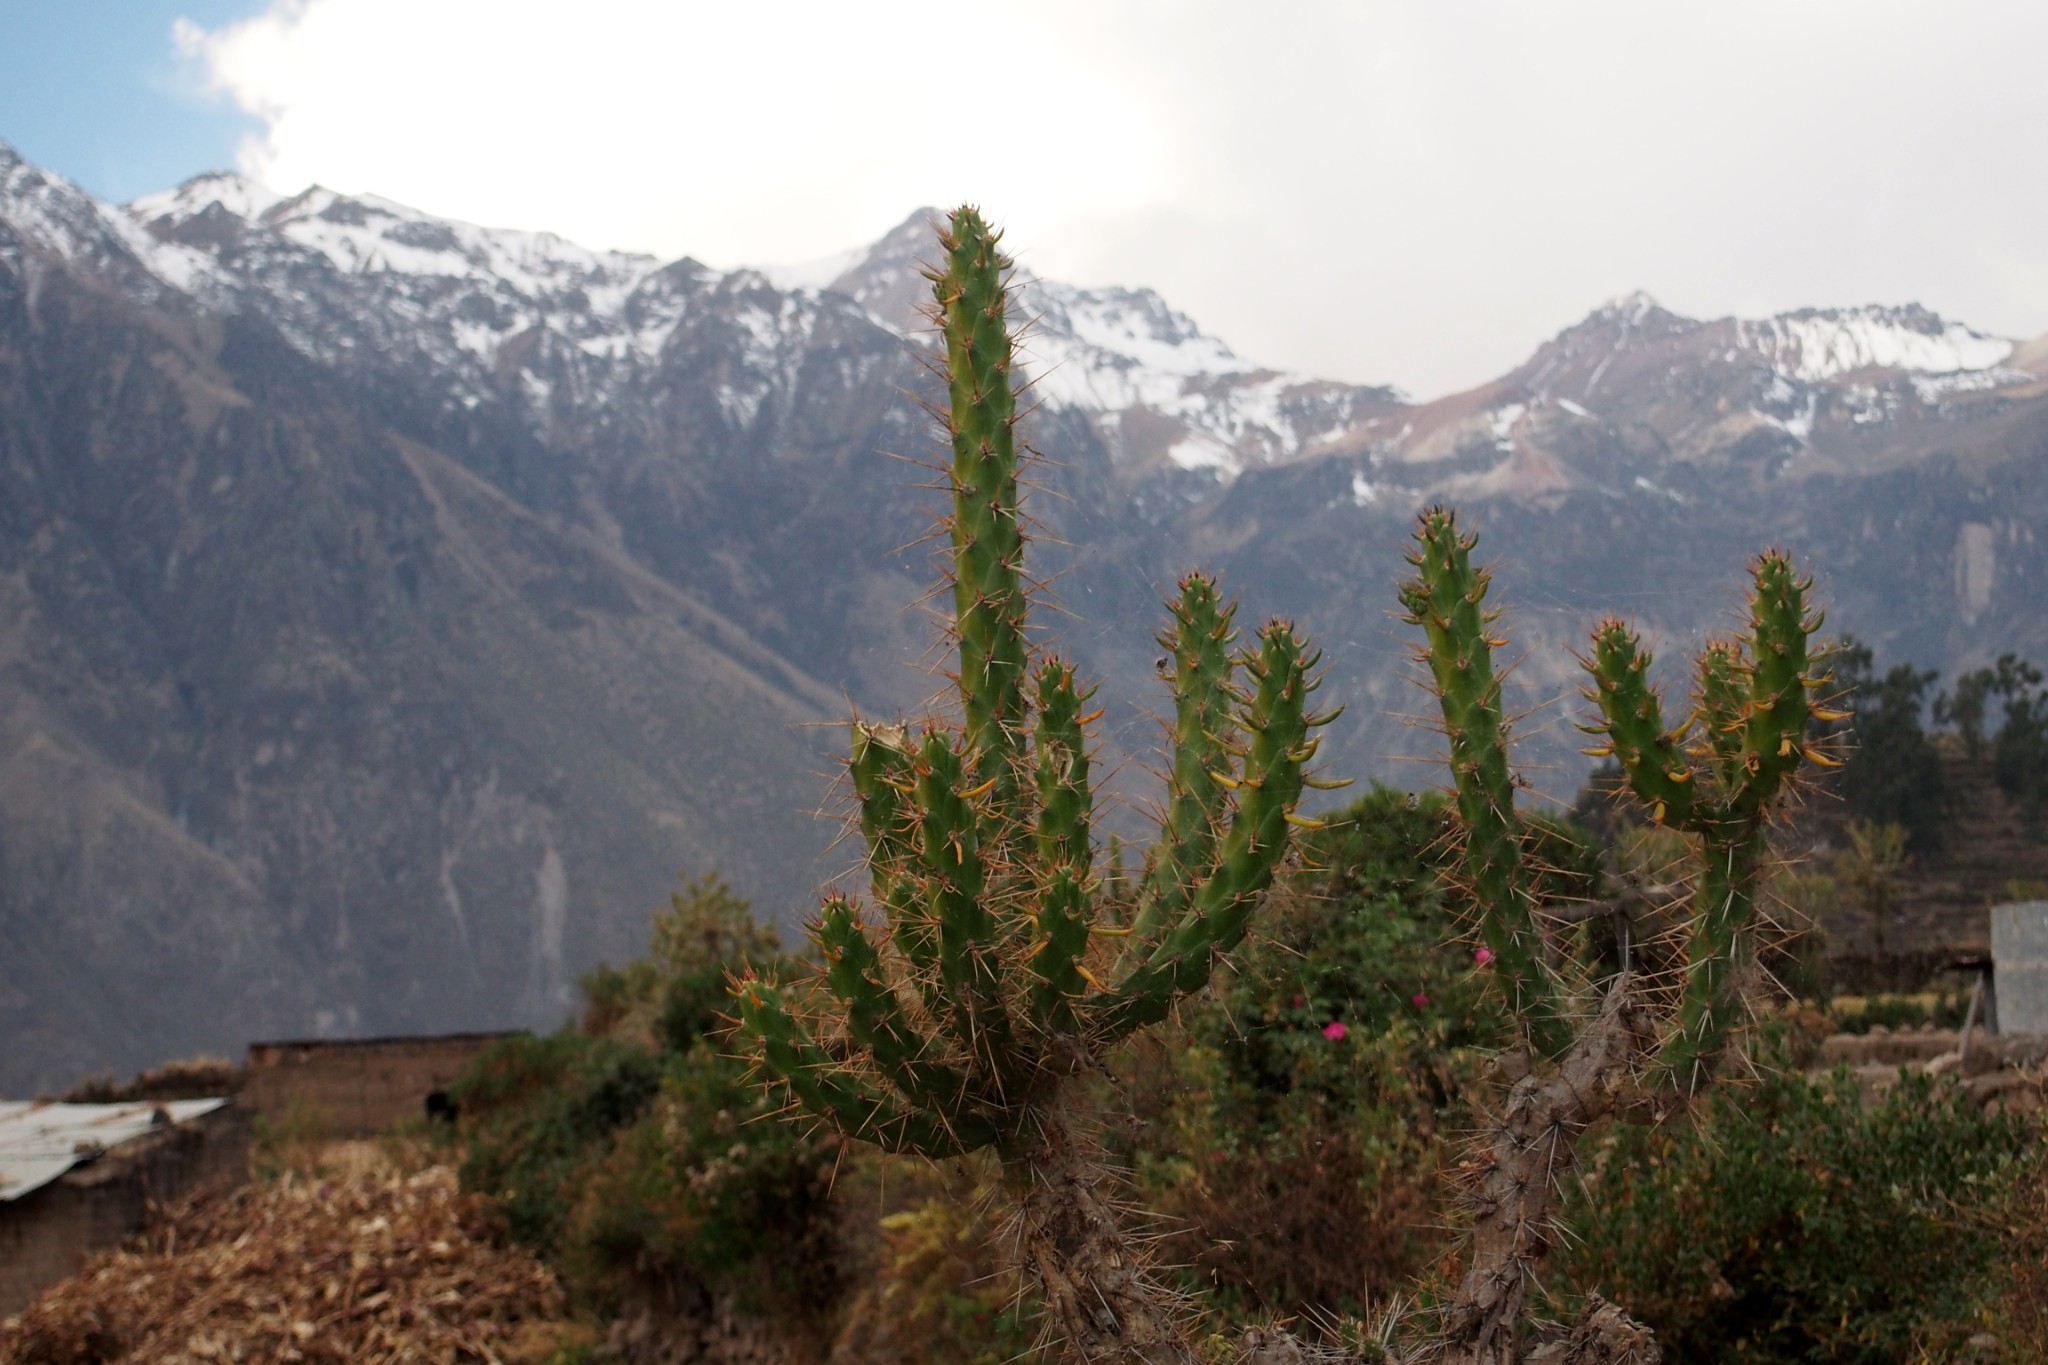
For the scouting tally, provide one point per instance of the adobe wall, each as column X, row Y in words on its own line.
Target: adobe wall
column 355, row 1087
column 47, row 1232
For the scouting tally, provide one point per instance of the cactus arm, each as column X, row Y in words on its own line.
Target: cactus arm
column 971, row 297
column 956, row 879
column 1064, row 854
column 875, row 1018
column 825, row 1087
column 883, row 771
column 1781, row 679
column 1724, row 689
column 1770, row 725
column 1064, row 800
column 1632, row 718
column 1446, row 598
column 1276, row 724
column 1059, row 975
column 1199, row 645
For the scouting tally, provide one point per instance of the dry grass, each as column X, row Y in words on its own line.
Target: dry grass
column 361, row 1253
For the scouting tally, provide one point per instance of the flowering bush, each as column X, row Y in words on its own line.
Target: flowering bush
column 1297, row 1134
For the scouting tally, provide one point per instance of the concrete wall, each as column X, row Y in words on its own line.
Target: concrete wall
column 353, row 1088
column 47, row 1232
column 2019, row 954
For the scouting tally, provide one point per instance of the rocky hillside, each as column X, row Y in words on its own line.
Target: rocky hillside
column 390, row 607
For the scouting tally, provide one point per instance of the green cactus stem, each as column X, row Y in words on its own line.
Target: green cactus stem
column 971, row 295
column 1754, row 702
column 1447, row 597
column 997, row 964
column 1199, row 646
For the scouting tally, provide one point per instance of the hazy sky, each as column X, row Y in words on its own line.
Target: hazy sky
column 1414, row 192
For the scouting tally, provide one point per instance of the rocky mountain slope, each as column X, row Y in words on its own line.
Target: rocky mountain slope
column 389, row 607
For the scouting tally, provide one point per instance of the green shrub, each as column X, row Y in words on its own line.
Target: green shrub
column 534, row 1109
column 1298, row 1133
column 709, row 1188
column 632, row 1148
column 1791, row 1222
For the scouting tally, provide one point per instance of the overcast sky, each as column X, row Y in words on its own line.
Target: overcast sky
column 1414, row 192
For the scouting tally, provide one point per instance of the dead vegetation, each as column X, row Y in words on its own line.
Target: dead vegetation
column 363, row 1257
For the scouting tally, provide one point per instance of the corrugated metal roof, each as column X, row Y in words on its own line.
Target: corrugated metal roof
column 40, row 1141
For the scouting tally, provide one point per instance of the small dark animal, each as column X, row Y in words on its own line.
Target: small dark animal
column 440, row 1108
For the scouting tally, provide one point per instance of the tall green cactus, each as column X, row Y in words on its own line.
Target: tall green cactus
column 987, row 972
column 1719, row 777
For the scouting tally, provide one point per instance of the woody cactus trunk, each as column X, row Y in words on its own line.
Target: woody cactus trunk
column 1717, row 777
column 956, row 1008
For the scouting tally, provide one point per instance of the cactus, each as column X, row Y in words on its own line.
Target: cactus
column 1718, row 778
column 991, row 970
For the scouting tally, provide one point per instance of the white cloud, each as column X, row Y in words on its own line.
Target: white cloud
column 1405, row 190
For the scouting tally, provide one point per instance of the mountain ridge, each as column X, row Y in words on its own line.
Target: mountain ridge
column 390, row 607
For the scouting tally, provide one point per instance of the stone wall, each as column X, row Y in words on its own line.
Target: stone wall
column 46, row 1233
column 355, row 1087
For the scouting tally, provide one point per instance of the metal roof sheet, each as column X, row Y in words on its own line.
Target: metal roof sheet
column 39, row 1141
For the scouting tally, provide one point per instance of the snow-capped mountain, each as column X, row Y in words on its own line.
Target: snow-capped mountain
column 555, row 323
column 389, row 605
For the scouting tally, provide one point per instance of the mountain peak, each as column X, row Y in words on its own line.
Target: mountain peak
column 235, row 194
column 1631, row 308
column 887, row 277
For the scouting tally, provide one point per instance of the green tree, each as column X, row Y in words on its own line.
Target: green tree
column 1893, row 775
column 2011, row 678
column 2019, row 760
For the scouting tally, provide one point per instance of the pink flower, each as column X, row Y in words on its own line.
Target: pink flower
column 1419, row 1000
column 1483, row 956
column 1300, row 1000
column 1335, row 1030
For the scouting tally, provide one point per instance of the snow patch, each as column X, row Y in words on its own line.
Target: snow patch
column 1501, row 423
column 1203, row 452
column 1932, row 389
column 1817, row 345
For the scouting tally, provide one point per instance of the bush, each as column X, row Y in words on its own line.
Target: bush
column 631, row 1149
column 1298, row 1133
column 1790, row 1222
column 536, row 1109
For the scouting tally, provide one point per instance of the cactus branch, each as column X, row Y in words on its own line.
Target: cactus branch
column 1198, row 787
column 971, row 297
column 1446, row 598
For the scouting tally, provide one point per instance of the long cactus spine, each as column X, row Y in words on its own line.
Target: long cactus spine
column 988, row 970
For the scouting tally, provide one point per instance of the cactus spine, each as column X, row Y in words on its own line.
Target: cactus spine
column 1719, row 778
column 992, row 974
